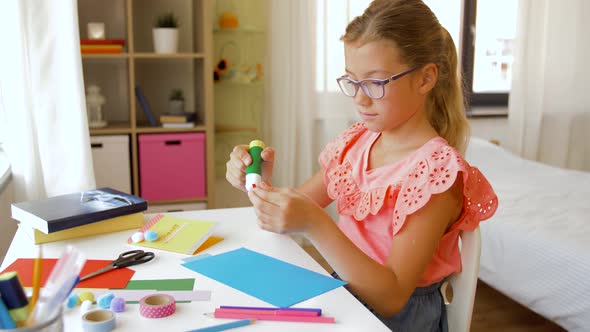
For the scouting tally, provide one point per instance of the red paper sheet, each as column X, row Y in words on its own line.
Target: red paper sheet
column 117, row 278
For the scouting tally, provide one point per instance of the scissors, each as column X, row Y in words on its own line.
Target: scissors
column 128, row 258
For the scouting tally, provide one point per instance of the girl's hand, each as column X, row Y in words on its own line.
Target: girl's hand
column 284, row 210
column 239, row 159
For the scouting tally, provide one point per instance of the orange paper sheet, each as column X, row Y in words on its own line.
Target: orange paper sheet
column 117, row 278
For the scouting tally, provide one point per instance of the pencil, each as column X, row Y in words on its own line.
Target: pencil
column 279, row 318
column 37, row 272
column 226, row 326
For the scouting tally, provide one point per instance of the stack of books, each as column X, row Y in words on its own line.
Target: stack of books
column 186, row 120
column 98, row 211
column 102, row 46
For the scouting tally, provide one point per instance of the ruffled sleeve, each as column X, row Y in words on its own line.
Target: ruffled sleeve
column 434, row 173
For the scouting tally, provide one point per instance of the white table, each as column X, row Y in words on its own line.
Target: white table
column 239, row 229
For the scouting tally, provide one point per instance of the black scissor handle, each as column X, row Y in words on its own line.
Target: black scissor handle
column 133, row 257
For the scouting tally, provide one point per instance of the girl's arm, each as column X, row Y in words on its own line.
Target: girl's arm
column 315, row 188
column 387, row 288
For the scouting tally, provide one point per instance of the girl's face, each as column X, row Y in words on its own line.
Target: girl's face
column 403, row 97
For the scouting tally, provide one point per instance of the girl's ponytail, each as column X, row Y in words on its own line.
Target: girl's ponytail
column 446, row 111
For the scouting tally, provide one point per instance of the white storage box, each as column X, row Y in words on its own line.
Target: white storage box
column 110, row 155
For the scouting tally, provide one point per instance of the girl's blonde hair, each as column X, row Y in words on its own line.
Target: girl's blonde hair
column 416, row 31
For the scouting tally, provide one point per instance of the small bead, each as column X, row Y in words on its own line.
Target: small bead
column 137, row 237
column 104, row 301
column 86, row 296
column 85, row 306
column 73, row 300
column 150, row 236
column 118, row 304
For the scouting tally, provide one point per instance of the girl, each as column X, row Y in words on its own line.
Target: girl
column 402, row 187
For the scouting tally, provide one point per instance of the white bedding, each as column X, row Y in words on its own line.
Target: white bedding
column 536, row 248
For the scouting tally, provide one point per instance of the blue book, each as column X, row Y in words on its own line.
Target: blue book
column 145, row 106
column 72, row 210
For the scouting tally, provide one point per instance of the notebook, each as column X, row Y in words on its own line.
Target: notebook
column 129, row 221
column 176, row 234
column 63, row 212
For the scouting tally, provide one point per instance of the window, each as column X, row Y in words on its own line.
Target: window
column 489, row 31
column 486, row 63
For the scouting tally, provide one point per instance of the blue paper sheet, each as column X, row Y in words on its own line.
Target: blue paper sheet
column 269, row 279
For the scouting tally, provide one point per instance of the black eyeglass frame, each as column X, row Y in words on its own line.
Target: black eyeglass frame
column 381, row 82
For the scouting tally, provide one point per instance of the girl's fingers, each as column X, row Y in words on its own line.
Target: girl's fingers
column 268, row 154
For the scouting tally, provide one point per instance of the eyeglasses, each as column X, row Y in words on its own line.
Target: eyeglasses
column 374, row 88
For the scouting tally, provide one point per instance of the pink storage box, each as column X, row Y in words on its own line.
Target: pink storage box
column 172, row 166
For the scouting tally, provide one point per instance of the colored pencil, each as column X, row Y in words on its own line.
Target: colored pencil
column 307, row 319
column 278, row 312
column 226, row 326
column 319, row 311
column 37, row 272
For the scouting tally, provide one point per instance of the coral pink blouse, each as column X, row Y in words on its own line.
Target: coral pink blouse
column 373, row 203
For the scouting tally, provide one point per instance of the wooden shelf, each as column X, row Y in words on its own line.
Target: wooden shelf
column 177, row 201
column 148, row 130
column 106, row 56
column 239, row 30
column 113, row 128
column 156, row 74
column 230, row 83
column 168, row 56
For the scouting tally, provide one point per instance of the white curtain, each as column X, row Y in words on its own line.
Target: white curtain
column 549, row 104
column 291, row 95
column 42, row 95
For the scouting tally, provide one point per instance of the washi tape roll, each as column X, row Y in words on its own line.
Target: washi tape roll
column 99, row 320
column 157, row 306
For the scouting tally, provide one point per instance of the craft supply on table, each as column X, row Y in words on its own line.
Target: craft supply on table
column 316, row 311
column 219, row 313
column 269, row 279
column 175, row 234
column 128, row 258
column 14, row 297
column 6, row 321
column 118, row 304
column 157, row 306
column 226, row 326
column 85, row 306
column 134, row 295
column 115, row 279
column 99, row 320
column 63, row 278
column 104, row 301
column 73, row 300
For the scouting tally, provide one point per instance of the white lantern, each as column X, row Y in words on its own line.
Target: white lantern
column 94, row 102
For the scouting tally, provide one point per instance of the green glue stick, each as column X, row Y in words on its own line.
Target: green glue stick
column 254, row 171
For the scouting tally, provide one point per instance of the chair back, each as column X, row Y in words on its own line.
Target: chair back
column 460, row 310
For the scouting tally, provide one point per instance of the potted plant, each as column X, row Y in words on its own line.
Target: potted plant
column 176, row 102
column 166, row 33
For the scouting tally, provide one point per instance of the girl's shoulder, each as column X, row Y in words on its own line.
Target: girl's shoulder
column 434, row 169
column 337, row 148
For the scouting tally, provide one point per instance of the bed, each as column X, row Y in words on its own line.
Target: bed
column 536, row 248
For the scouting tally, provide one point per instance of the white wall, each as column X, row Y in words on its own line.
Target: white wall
column 492, row 128
column 7, row 225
